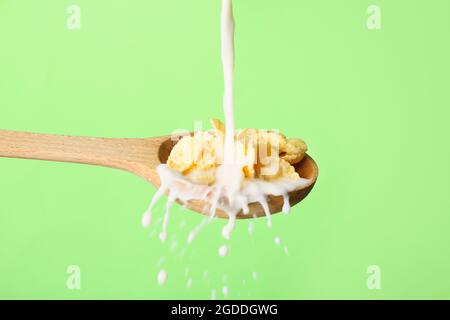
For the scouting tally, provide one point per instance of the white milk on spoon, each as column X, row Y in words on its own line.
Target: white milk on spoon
column 230, row 193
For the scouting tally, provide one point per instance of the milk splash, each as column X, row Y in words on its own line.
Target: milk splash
column 231, row 192
column 181, row 189
column 223, row 250
column 162, row 277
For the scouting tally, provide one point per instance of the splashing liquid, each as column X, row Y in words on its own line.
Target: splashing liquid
column 230, row 193
column 162, row 277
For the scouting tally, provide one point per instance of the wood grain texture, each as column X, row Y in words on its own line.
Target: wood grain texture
column 140, row 156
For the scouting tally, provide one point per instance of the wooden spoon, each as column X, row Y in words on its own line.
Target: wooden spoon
column 138, row 156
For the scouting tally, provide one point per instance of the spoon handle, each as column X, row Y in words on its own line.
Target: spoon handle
column 134, row 155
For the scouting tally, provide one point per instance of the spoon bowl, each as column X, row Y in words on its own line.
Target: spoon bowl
column 307, row 168
column 140, row 156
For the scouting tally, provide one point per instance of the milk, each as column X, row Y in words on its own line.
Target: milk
column 230, row 193
column 180, row 188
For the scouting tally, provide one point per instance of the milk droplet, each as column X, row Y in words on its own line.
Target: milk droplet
column 286, row 205
column 225, row 291
column 162, row 277
column 213, row 294
column 193, row 234
column 170, row 201
column 146, row 219
column 191, row 237
column 226, row 231
column 286, row 251
column 254, row 275
column 263, row 202
column 223, row 250
column 189, row 283
column 277, row 240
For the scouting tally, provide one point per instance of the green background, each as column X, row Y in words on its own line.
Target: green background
column 372, row 105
